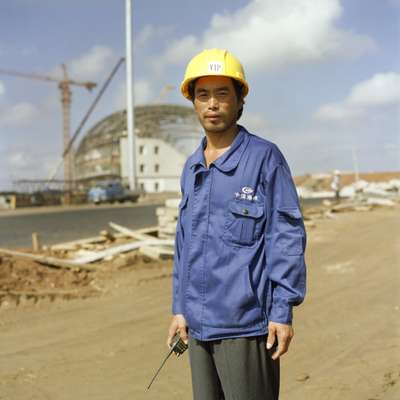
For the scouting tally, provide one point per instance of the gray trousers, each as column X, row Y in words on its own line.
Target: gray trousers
column 233, row 369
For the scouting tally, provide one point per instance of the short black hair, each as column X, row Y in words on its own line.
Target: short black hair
column 238, row 90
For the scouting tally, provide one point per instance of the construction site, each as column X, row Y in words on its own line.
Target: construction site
column 86, row 315
column 102, row 154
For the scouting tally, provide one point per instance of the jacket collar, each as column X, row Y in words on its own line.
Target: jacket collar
column 227, row 161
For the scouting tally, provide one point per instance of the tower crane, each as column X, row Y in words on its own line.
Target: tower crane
column 66, row 94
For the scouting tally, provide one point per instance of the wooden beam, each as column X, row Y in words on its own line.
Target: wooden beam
column 50, row 261
column 122, row 248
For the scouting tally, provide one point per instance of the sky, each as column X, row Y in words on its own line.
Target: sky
column 324, row 75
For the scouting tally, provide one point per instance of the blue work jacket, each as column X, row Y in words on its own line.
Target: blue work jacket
column 240, row 241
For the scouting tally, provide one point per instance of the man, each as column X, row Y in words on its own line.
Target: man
column 335, row 184
column 239, row 251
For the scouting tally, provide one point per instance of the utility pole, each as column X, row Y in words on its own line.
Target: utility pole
column 130, row 99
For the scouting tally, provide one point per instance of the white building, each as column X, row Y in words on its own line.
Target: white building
column 158, row 164
column 165, row 136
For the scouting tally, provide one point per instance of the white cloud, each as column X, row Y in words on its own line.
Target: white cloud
column 151, row 32
column 254, row 122
column 2, row 88
column 18, row 160
column 91, row 66
column 181, row 49
column 20, row 114
column 267, row 33
column 143, row 92
column 144, row 36
column 22, row 163
column 381, row 90
column 338, row 112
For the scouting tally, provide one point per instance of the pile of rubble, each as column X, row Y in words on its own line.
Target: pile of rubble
column 380, row 193
column 313, row 186
column 357, row 196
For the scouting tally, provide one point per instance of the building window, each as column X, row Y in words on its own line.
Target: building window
column 142, row 187
column 156, row 186
column 155, row 149
column 156, row 168
column 141, row 167
column 141, row 149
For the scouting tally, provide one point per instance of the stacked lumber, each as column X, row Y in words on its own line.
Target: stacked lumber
column 167, row 219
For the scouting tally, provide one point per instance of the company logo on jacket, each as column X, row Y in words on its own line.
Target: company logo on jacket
column 246, row 193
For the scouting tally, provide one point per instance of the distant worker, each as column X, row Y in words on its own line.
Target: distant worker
column 239, row 253
column 335, row 184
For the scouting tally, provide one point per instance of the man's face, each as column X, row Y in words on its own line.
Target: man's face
column 216, row 103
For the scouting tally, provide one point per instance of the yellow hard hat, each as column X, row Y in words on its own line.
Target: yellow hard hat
column 214, row 62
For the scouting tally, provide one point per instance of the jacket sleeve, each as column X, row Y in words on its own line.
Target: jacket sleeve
column 177, row 307
column 285, row 245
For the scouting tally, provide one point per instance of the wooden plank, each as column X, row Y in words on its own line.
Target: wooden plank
column 129, row 232
column 50, row 261
column 73, row 244
column 139, row 234
column 123, row 248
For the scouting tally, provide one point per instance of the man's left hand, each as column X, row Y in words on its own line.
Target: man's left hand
column 281, row 332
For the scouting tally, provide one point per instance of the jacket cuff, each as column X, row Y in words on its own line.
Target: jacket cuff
column 176, row 309
column 281, row 313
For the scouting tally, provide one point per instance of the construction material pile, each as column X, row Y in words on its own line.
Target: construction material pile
column 71, row 269
column 320, row 185
column 389, row 191
column 358, row 196
column 167, row 217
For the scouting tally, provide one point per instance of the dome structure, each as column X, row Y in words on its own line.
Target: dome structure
column 100, row 154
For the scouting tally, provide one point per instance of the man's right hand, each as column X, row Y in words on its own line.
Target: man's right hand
column 178, row 324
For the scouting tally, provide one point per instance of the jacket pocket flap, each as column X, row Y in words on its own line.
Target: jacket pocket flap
column 246, row 210
column 291, row 212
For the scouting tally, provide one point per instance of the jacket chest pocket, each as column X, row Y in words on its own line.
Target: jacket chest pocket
column 243, row 223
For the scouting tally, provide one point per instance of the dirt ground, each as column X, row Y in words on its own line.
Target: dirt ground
column 107, row 346
column 28, row 276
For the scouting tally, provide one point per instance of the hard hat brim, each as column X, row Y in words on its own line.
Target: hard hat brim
column 185, row 84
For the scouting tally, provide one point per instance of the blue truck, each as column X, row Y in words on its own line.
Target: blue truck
column 110, row 192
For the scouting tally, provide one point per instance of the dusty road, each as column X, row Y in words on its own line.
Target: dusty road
column 346, row 344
